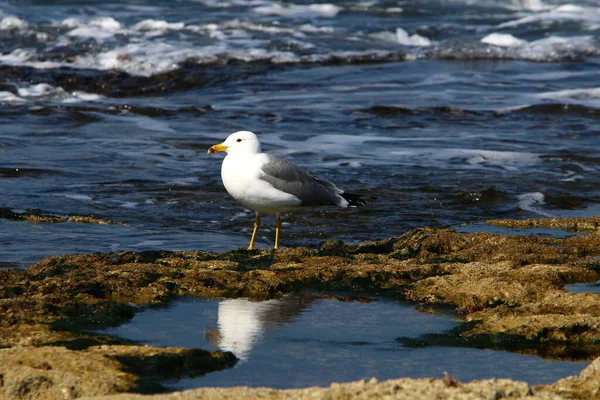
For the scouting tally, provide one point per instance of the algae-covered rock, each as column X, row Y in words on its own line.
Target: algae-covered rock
column 58, row 373
column 39, row 216
column 509, row 291
column 573, row 224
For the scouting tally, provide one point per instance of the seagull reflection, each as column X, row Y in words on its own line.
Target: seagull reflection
column 242, row 322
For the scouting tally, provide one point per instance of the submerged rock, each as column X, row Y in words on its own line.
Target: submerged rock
column 509, row 290
column 39, row 216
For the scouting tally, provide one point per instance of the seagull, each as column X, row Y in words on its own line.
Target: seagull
column 271, row 185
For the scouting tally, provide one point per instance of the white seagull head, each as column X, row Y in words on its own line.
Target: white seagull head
column 237, row 143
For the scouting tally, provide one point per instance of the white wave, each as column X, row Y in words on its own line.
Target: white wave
column 75, row 196
column 217, row 30
column 41, row 89
column 143, row 59
column 71, row 23
column 250, row 26
column 308, row 28
column 573, row 177
column 46, row 92
column 394, row 10
column 509, row 160
column 299, row 11
column 137, row 50
column 589, row 96
column 20, row 27
column 18, row 56
column 79, row 95
column 503, row 40
column 403, row 38
column 96, row 28
column 12, row 23
column 567, row 12
column 531, row 202
column 149, row 243
column 26, row 57
column 9, row 97
column 157, row 25
column 103, row 28
column 153, row 124
column 532, row 5
column 556, row 75
column 149, row 58
column 278, row 57
column 554, row 47
column 413, row 40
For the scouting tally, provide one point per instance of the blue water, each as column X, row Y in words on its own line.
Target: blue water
column 548, row 232
column 107, row 109
column 302, row 340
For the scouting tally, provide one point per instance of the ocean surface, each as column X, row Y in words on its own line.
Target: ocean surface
column 449, row 112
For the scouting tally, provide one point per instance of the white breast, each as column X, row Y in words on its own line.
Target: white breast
column 241, row 177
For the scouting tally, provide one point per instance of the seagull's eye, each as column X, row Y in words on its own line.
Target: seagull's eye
column 239, row 140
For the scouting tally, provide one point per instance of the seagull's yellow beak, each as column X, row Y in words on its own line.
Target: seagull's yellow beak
column 217, row 148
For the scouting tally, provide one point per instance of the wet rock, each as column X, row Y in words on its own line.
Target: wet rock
column 39, row 216
column 574, row 224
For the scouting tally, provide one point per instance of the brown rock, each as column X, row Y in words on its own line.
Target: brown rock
column 586, row 385
column 400, row 389
column 59, row 373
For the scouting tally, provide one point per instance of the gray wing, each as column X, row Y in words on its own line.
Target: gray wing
column 311, row 191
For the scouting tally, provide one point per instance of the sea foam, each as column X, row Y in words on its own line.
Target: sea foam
column 589, row 96
column 96, row 28
column 12, row 23
column 300, row 11
column 503, row 40
column 567, row 12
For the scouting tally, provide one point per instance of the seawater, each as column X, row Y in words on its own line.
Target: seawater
column 448, row 112
column 305, row 340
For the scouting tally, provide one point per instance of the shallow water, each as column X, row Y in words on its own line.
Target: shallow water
column 501, row 230
column 107, row 109
column 20, row 242
column 584, row 287
column 305, row 340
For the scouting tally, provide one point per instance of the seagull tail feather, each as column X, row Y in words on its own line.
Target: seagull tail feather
column 357, row 200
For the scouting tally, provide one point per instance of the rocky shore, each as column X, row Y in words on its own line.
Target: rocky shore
column 509, row 291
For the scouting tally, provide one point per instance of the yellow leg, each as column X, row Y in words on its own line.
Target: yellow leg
column 277, row 228
column 256, row 225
